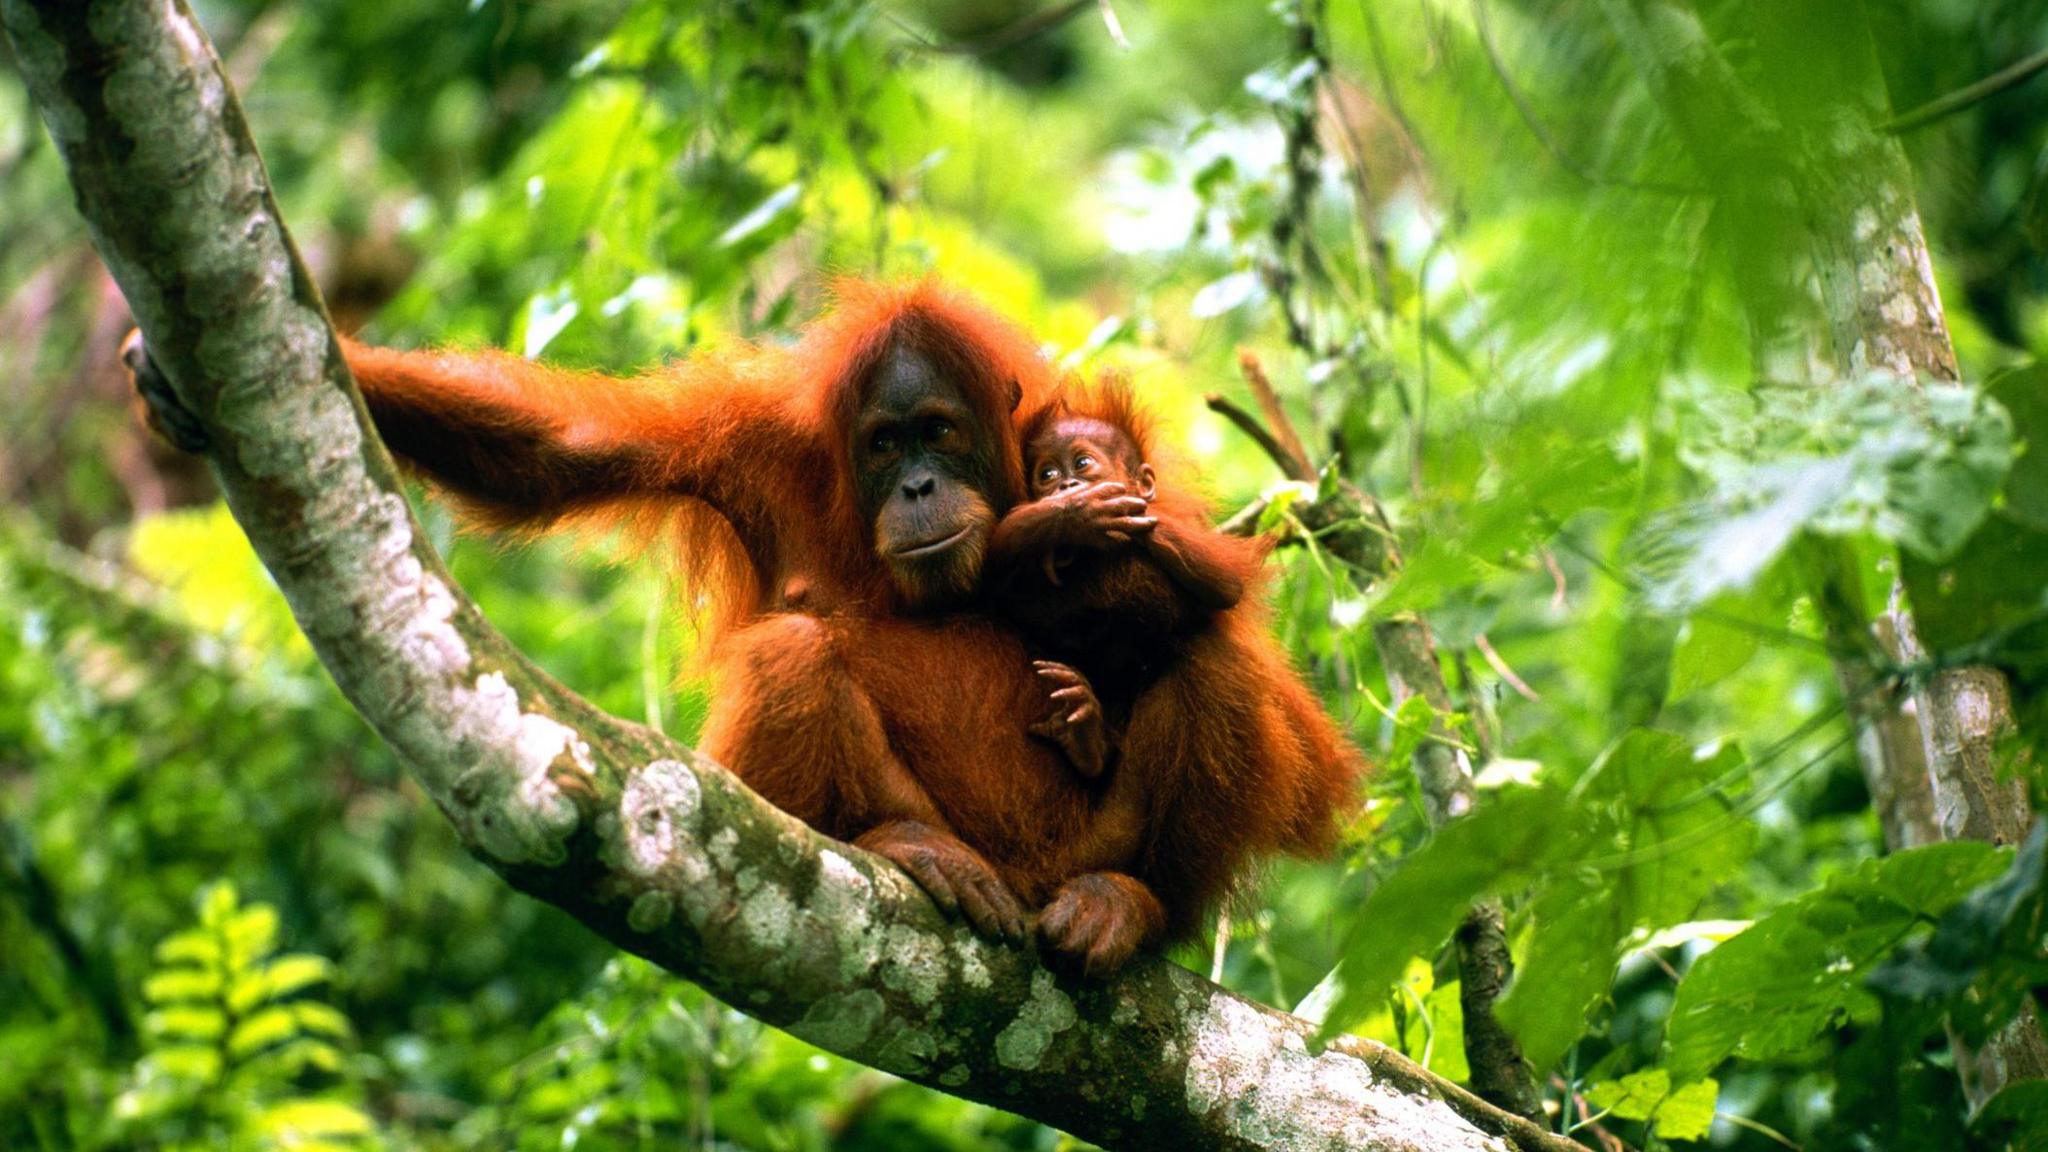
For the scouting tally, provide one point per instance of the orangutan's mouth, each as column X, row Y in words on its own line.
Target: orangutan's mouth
column 933, row 547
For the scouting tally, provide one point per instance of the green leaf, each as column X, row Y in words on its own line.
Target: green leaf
column 1688, row 1114
column 302, row 1056
column 1413, row 721
column 295, row 973
column 1634, row 1096
column 296, row 1120
column 2016, row 1119
column 2024, row 393
column 1709, row 652
column 192, row 1023
column 251, row 935
column 1447, row 1033
column 1917, row 464
column 1415, row 909
column 321, row 1018
column 189, row 947
column 169, row 985
column 1996, row 586
column 187, row 1062
column 1577, row 925
column 265, row 1029
column 1799, row 972
column 1984, row 959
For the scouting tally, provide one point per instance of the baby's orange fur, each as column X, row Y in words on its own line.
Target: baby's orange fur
column 836, row 702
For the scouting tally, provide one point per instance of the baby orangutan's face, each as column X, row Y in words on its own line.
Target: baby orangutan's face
column 1078, row 451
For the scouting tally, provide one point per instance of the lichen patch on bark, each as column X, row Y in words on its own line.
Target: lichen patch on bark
column 1023, row 1042
column 1257, row 1080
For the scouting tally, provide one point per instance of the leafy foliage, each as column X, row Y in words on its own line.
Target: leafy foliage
column 1801, row 972
column 233, row 1028
column 1567, row 324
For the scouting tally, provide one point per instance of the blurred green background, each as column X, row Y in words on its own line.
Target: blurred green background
column 1472, row 249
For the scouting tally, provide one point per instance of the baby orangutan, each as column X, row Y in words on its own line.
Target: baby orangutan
column 1122, row 585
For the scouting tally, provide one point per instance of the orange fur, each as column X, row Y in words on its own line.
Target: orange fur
column 851, row 713
column 1226, row 755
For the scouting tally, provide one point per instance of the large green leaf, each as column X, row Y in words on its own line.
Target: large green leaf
column 1686, row 1114
column 2015, row 1119
column 1416, row 908
column 1985, row 957
column 1660, row 836
column 1800, row 971
column 1577, row 926
column 1995, row 587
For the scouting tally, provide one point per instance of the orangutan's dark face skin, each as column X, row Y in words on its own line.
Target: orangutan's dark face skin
column 1078, row 451
column 926, row 467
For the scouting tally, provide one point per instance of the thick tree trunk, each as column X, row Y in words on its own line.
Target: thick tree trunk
column 649, row 844
column 1809, row 146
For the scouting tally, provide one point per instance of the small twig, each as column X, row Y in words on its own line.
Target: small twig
column 1500, row 666
column 1430, row 737
column 1961, row 98
column 1245, row 521
column 1252, row 427
column 1296, row 464
column 1764, row 1130
column 1221, row 950
column 1558, row 600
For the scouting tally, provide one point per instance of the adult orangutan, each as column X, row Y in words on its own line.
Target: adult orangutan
column 832, row 502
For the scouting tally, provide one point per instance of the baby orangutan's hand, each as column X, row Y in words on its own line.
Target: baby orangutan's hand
column 1075, row 725
column 1103, row 515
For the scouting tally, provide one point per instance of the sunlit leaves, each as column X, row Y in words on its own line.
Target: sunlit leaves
column 1424, row 1020
column 1684, row 1114
column 1800, row 971
column 1637, row 842
column 1916, row 464
column 233, row 1027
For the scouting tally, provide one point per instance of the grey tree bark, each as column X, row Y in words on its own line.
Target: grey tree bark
column 1808, row 147
column 649, row 844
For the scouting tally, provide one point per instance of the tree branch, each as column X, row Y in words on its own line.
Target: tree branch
column 1951, row 103
column 646, row 842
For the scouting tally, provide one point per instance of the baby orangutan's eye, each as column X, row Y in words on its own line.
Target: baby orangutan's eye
column 1083, row 462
